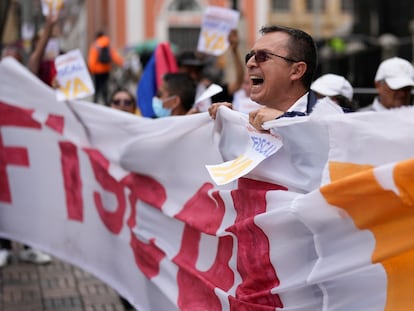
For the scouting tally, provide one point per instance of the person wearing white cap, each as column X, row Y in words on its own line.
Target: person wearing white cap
column 394, row 81
column 335, row 87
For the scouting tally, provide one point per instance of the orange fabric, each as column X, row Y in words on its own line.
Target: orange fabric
column 95, row 67
column 390, row 218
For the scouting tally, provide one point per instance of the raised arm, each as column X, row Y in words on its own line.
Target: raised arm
column 37, row 54
column 237, row 61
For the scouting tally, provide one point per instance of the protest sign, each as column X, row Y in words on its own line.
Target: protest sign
column 73, row 76
column 52, row 6
column 216, row 25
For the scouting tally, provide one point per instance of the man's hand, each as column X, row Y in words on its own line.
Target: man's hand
column 233, row 39
column 212, row 110
column 258, row 117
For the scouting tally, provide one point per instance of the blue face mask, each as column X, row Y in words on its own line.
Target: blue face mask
column 158, row 108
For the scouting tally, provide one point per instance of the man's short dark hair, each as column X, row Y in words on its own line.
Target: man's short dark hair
column 182, row 85
column 301, row 47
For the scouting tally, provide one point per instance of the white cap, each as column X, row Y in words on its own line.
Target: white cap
column 332, row 85
column 397, row 72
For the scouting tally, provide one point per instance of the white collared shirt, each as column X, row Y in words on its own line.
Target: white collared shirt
column 301, row 104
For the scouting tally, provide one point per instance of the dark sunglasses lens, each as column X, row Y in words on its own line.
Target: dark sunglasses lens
column 126, row 102
column 261, row 56
column 248, row 56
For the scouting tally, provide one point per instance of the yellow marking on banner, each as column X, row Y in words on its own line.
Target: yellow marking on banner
column 390, row 217
column 231, row 171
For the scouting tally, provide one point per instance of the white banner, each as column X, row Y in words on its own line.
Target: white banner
column 130, row 200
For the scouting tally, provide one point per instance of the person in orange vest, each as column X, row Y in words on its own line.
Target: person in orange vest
column 101, row 57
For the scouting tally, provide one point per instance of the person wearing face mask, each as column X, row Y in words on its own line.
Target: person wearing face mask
column 175, row 96
column 394, row 81
column 281, row 67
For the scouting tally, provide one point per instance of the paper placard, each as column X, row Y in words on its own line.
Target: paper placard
column 212, row 90
column 73, row 76
column 215, row 28
column 260, row 146
column 52, row 6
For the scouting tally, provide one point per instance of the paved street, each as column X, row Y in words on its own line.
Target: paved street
column 56, row 286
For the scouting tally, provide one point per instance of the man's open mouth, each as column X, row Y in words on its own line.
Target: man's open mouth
column 256, row 80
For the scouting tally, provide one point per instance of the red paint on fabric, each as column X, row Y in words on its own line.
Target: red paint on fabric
column 203, row 211
column 72, row 180
column 13, row 116
column 202, row 214
column 56, row 123
column 112, row 220
column 10, row 156
column 97, row 158
column 251, row 184
column 147, row 255
column 256, row 270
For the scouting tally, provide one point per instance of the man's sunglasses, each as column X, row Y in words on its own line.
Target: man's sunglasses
column 126, row 102
column 261, row 56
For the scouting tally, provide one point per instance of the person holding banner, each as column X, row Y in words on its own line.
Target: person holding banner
column 281, row 67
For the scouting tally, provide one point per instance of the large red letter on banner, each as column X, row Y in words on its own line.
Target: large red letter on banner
column 147, row 255
column 13, row 116
column 100, row 165
column 203, row 215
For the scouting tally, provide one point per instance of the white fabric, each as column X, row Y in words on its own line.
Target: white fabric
column 198, row 246
column 243, row 103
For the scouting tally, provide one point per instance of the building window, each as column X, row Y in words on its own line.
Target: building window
column 310, row 5
column 184, row 5
column 280, row 5
column 184, row 38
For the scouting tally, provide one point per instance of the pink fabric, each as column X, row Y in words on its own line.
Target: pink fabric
column 164, row 61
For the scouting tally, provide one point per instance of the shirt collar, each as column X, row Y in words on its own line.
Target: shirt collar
column 301, row 104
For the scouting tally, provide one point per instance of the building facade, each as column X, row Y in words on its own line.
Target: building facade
column 130, row 22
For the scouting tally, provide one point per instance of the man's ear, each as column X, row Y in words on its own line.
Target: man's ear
column 298, row 70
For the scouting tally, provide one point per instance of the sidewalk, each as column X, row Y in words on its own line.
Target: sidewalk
column 56, row 286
